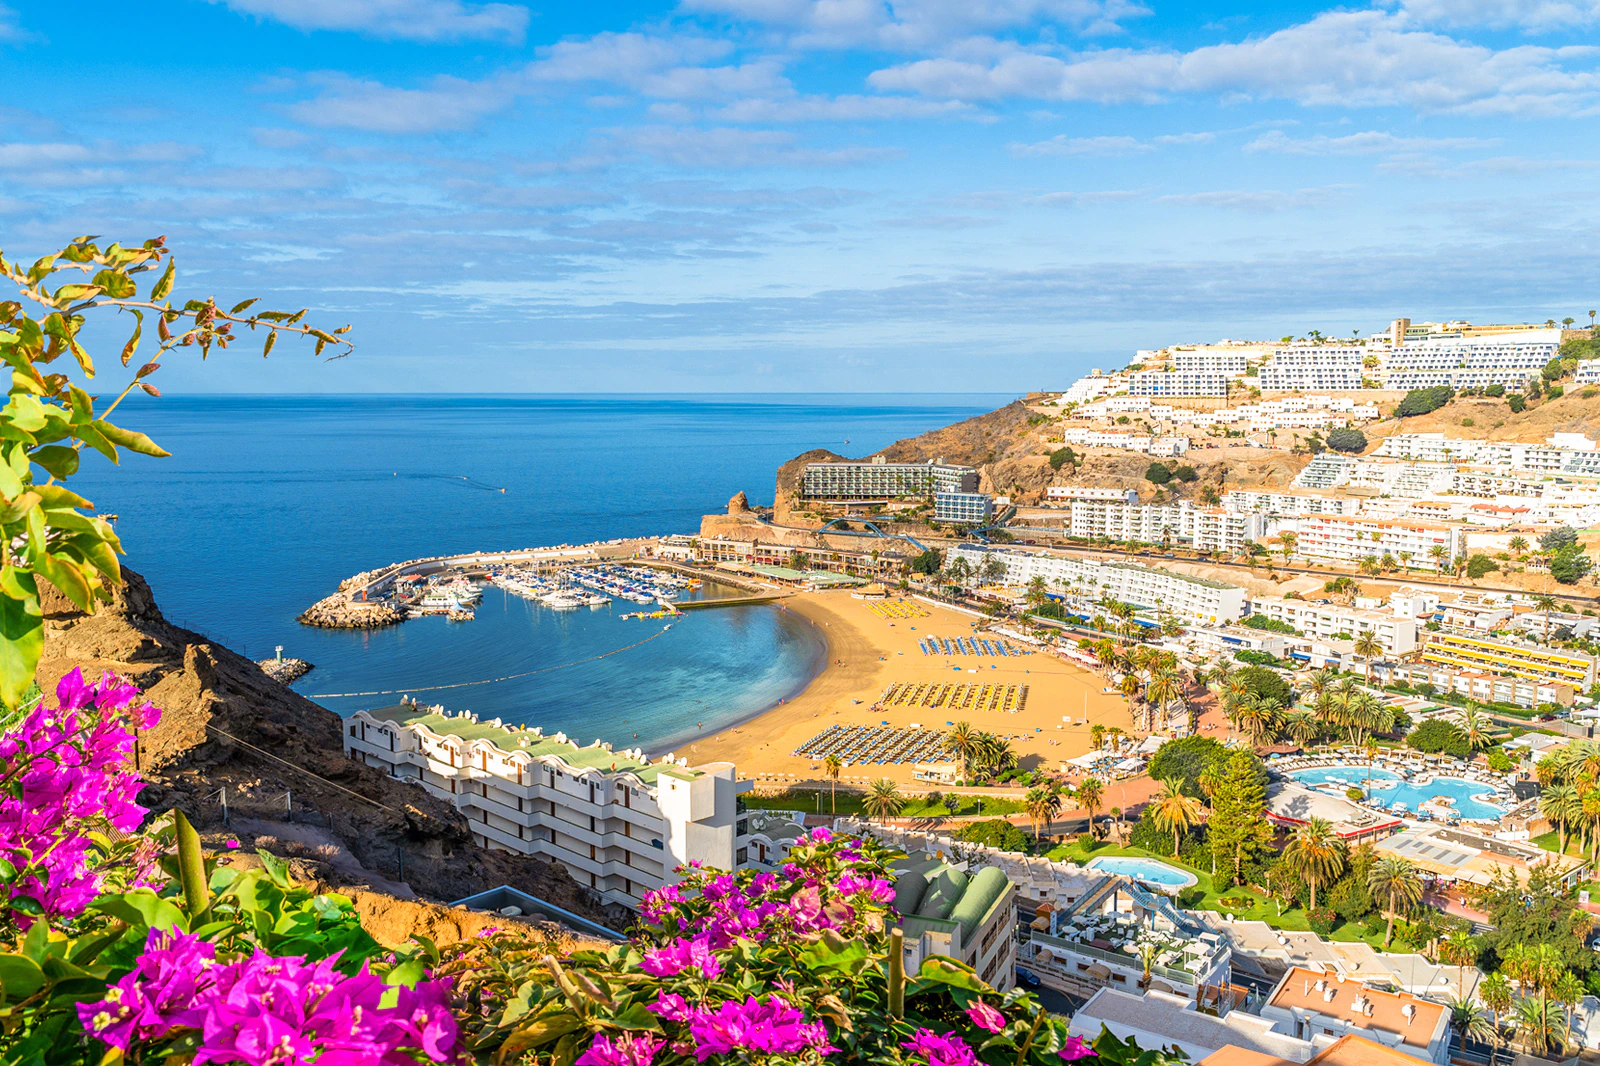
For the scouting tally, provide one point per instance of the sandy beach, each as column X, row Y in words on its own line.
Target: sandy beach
column 867, row 653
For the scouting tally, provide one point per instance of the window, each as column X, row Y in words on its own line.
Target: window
column 657, row 844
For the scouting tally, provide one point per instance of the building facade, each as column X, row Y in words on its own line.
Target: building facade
column 878, row 479
column 1323, row 369
column 963, row 508
column 1397, row 634
column 1351, row 538
column 1190, row 598
column 618, row 822
column 1499, row 656
column 961, row 914
column 1471, row 362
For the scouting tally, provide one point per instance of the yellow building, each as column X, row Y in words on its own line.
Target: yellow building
column 1511, row 657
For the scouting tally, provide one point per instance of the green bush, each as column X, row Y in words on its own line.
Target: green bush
column 1347, row 440
column 1186, row 759
column 1349, row 899
column 1061, row 457
column 1438, row 736
column 1263, row 682
column 1496, row 390
column 1185, row 473
column 1516, row 403
column 1322, row 920
column 1271, row 625
column 1423, row 401
column 997, row 833
column 1479, row 565
column 1499, row 761
column 1157, row 473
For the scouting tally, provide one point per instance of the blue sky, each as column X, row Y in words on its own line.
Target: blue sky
column 811, row 195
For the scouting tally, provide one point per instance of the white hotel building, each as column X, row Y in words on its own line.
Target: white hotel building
column 1181, row 383
column 1291, row 504
column 1397, row 634
column 1322, row 369
column 1588, row 373
column 618, row 822
column 1193, row 598
column 1180, row 523
column 1091, row 492
column 1472, row 362
column 1351, row 538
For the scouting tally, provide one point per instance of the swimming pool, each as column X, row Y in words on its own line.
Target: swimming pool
column 1159, row 874
column 1391, row 788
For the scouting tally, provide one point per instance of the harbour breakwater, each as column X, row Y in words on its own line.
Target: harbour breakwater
column 340, row 612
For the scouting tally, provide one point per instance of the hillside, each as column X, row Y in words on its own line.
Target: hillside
column 1493, row 419
column 226, row 725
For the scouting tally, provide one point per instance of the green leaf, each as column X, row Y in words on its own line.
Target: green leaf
column 8, row 872
column 133, row 341
column 406, row 975
column 163, row 287
column 18, row 507
column 834, row 953
column 142, row 907
column 93, row 438
column 35, row 944
column 25, row 412
column 276, row 868
column 130, row 439
column 937, row 970
column 542, row 1030
column 77, row 292
column 67, row 576
column 636, row 1017
column 116, row 284
column 243, row 305
column 21, row 633
column 58, row 460
column 20, row 977
column 57, row 497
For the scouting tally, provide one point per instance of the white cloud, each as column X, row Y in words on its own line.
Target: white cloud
column 446, row 104
column 1338, row 59
column 1061, row 144
column 848, row 108
column 1260, row 199
column 729, row 147
column 1532, row 16
column 1081, row 199
column 411, row 20
column 13, row 156
column 1371, row 142
column 915, row 24
column 10, row 28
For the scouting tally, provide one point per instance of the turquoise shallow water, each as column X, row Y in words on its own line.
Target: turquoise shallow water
column 266, row 503
column 1391, row 788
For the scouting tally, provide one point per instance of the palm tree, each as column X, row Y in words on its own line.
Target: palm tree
column 1518, row 544
column 884, row 801
column 1542, row 1025
column 1561, row 804
column 1471, row 1021
column 1440, row 555
column 1394, row 880
column 1495, row 991
column 832, row 767
column 961, row 739
column 1164, row 689
column 1320, row 681
column 1302, row 727
column 1090, row 795
column 1369, row 647
column 1475, row 726
column 1174, row 811
column 1459, row 949
column 1546, row 603
column 1316, row 853
column 1148, row 953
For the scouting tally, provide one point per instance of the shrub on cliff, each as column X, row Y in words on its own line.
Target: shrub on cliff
column 1423, row 401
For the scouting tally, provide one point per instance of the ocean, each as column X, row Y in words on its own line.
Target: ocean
column 268, row 502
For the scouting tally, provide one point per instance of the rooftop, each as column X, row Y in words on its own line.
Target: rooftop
column 931, row 892
column 1174, row 1019
column 1348, row 1050
column 511, row 739
column 1355, row 1004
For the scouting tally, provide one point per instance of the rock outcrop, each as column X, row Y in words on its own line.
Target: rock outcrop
column 339, row 612
column 739, row 504
column 226, row 725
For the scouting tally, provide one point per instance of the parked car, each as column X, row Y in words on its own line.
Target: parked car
column 1027, row 977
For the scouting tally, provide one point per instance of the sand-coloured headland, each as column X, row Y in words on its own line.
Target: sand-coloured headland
column 867, row 652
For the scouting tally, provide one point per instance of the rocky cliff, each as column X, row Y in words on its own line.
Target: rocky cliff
column 226, row 725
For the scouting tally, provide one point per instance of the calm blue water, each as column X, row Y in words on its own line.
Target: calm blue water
column 1156, row 873
column 1391, row 789
column 266, row 503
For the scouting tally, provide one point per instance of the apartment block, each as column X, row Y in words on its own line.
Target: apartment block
column 1312, row 1005
column 1499, row 656
column 1091, row 492
column 1483, row 686
column 879, row 479
column 618, row 822
column 1094, row 944
column 1351, row 538
column 1323, row 369
column 1471, row 362
column 1397, row 634
column 1191, row 598
column 959, row 913
column 1230, row 360
column 963, row 508
column 1160, row 1020
column 1588, row 372
column 1181, row 383
column 1266, row 501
